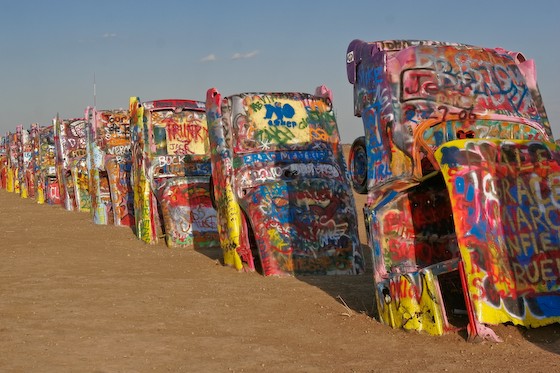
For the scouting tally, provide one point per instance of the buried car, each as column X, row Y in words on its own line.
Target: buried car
column 71, row 169
column 280, row 184
column 462, row 177
column 48, row 190
column 109, row 165
column 171, row 173
column 13, row 150
column 3, row 162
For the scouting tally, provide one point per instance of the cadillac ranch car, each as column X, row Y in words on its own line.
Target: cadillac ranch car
column 12, row 177
column 31, row 166
column 48, row 190
column 18, row 167
column 3, row 162
column 25, row 159
column 171, row 173
column 7, row 173
column 109, row 165
column 70, row 143
column 21, row 138
column 280, row 184
column 463, row 183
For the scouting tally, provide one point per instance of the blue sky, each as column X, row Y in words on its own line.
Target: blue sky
column 51, row 50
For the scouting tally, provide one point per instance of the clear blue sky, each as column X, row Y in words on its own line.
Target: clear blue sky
column 50, row 50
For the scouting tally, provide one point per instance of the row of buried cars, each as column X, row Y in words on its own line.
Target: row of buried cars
column 273, row 193
column 458, row 162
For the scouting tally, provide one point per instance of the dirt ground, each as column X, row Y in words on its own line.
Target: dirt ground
column 76, row 297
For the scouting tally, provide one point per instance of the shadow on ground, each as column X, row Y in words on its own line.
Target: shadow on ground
column 546, row 337
column 355, row 293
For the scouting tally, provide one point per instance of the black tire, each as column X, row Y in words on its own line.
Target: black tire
column 211, row 192
column 357, row 165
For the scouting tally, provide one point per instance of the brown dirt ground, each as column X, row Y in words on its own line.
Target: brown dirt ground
column 76, row 297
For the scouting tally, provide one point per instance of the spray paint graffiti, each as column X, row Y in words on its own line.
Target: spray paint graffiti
column 47, row 183
column 145, row 216
column 28, row 163
column 11, row 162
column 109, row 164
column 3, row 161
column 32, row 168
column 23, row 160
column 28, row 150
column 70, row 142
column 506, row 197
column 188, row 212
column 171, row 173
column 444, row 202
column 280, row 184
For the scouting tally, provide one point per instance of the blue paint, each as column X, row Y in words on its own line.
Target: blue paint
column 449, row 156
column 470, row 193
column 549, row 304
column 290, row 156
column 460, row 184
column 281, row 112
column 438, row 137
column 479, row 230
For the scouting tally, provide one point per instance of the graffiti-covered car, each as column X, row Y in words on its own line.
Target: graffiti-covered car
column 13, row 176
column 3, row 161
column 109, row 165
column 280, row 184
column 461, row 173
column 171, row 173
column 32, row 167
column 26, row 161
column 23, row 158
column 71, row 167
column 48, row 190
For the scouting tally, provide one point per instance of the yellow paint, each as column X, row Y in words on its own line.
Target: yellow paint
column 186, row 132
column 499, row 315
column 229, row 228
column 81, row 187
column 40, row 194
column 432, row 307
column 498, row 261
column 414, row 307
column 23, row 191
column 142, row 195
column 295, row 133
column 10, row 180
column 277, row 241
column 17, row 189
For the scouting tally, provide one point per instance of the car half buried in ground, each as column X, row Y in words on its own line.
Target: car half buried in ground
column 463, row 182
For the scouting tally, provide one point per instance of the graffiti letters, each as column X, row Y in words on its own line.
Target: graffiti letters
column 280, row 112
